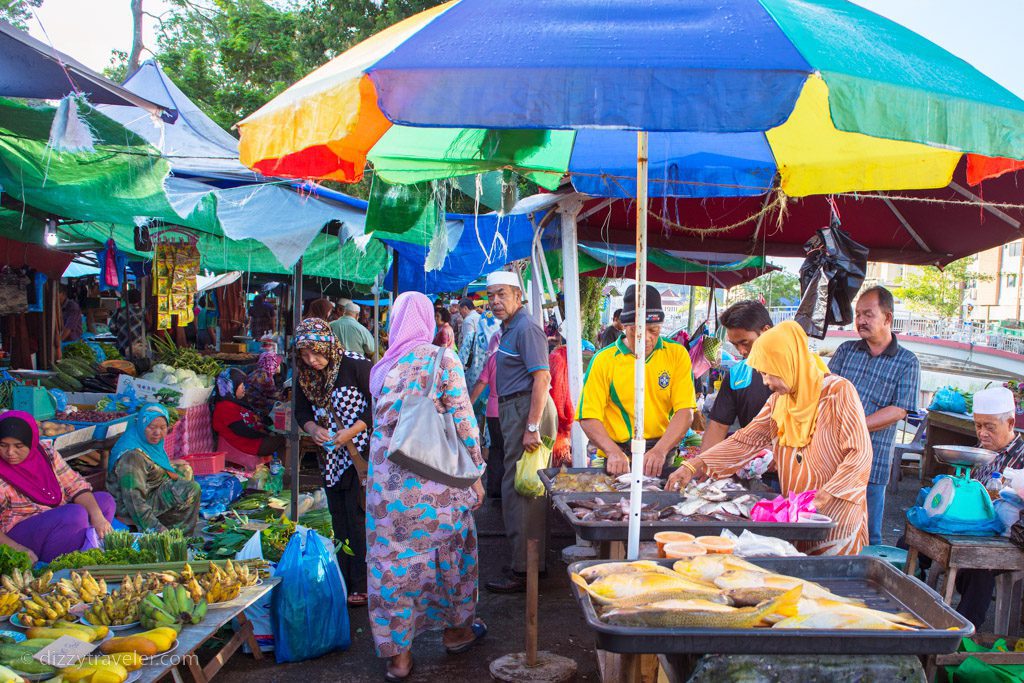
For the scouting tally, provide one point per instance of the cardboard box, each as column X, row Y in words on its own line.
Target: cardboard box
column 147, row 391
column 232, row 347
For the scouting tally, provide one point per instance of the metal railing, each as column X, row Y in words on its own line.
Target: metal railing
column 968, row 332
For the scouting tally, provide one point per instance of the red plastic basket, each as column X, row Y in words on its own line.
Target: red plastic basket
column 206, row 463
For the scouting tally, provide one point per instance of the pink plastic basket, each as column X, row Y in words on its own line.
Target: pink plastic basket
column 206, row 463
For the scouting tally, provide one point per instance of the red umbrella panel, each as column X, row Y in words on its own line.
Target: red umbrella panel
column 925, row 227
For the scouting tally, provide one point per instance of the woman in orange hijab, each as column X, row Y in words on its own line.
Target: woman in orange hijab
column 814, row 425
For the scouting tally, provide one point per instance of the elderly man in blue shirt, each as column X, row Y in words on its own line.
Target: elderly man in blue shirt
column 887, row 377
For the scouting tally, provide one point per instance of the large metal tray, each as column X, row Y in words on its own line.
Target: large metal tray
column 878, row 583
column 618, row 531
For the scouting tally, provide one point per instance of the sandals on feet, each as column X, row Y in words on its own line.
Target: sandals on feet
column 479, row 629
column 395, row 678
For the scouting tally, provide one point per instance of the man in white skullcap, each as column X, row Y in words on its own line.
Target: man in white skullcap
column 525, row 412
column 994, row 414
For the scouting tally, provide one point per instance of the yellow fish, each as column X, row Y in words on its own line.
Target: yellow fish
column 810, row 606
column 620, row 590
column 734, row 579
column 707, row 568
column 698, row 613
column 599, row 571
column 841, row 619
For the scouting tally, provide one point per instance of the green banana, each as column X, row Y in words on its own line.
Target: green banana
column 199, row 612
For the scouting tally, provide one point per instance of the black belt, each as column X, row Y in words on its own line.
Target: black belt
column 512, row 397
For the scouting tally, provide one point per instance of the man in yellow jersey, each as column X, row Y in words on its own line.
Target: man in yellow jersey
column 606, row 407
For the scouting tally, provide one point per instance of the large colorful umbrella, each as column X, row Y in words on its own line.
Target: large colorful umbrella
column 808, row 78
column 728, row 67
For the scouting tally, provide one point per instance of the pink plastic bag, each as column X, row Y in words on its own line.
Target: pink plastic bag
column 783, row 508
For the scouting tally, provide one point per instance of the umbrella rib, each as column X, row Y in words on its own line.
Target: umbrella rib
column 595, row 209
column 1005, row 217
column 906, row 224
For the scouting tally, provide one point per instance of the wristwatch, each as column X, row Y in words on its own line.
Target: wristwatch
column 532, row 428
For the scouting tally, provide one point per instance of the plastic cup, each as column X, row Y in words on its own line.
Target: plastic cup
column 684, row 551
column 716, row 544
column 662, row 538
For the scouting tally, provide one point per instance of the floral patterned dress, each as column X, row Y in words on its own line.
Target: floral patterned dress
column 420, row 535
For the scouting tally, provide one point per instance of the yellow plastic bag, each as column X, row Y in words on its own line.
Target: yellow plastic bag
column 528, row 481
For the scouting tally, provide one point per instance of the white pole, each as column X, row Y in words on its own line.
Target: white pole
column 639, row 445
column 569, row 209
column 536, row 290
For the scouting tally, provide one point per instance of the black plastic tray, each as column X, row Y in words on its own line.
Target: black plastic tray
column 619, row 531
column 870, row 579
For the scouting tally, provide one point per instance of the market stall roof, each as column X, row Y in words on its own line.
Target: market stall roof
column 922, row 227
column 205, row 282
column 50, row 262
column 30, row 68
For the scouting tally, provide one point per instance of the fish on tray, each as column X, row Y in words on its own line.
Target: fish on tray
column 724, row 591
column 597, row 510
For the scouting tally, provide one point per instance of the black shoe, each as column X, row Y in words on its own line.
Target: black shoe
column 509, row 584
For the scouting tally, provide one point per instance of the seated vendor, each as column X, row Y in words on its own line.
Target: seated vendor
column 262, row 386
column 814, row 423
column 994, row 413
column 606, row 406
column 236, row 423
column 45, row 506
column 152, row 492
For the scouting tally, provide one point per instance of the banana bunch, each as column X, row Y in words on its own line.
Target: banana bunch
column 24, row 583
column 82, row 587
column 10, row 602
column 117, row 609
column 218, row 585
column 242, row 574
column 44, row 610
column 173, row 609
column 145, row 583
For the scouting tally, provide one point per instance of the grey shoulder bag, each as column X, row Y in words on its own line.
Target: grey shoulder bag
column 425, row 441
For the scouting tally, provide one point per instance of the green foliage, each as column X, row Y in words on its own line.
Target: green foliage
column 11, row 559
column 18, row 12
column 777, row 288
column 96, row 556
column 590, row 306
column 931, row 290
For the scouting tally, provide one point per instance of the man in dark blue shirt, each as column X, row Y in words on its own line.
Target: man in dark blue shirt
column 887, row 377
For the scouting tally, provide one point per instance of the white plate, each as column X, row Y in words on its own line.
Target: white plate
column 111, row 626
column 133, row 676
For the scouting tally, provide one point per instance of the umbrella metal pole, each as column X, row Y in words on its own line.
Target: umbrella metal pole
column 293, row 430
column 639, row 444
column 569, row 209
column 376, row 316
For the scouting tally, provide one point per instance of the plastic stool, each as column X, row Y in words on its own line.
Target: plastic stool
column 233, row 455
column 897, row 557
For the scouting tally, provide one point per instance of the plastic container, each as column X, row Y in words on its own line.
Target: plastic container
column 663, row 538
column 206, row 463
column 716, row 544
column 995, row 484
column 684, row 551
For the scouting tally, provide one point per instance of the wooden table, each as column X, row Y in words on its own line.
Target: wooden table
column 954, row 553
column 946, row 429
column 192, row 637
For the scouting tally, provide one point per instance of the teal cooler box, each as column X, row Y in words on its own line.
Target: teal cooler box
column 36, row 401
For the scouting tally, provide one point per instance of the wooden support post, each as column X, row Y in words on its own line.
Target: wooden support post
column 532, row 579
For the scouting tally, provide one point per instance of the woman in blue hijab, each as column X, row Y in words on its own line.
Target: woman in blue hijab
column 154, row 493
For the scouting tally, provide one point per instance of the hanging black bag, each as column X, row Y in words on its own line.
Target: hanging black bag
column 830, row 278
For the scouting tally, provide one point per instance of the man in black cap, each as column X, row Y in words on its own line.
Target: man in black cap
column 606, row 407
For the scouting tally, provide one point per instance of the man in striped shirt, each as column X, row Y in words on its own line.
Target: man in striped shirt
column 887, row 377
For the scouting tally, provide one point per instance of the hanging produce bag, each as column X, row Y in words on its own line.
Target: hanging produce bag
column 309, row 610
column 112, row 267
column 830, row 278
column 527, row 482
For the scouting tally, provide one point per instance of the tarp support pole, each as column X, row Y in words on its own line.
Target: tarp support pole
column 293, row 432
column 569, row 209
column 376, row 315
column 536, row 289
column 639, row 445
column 394, row 274
column 693, row 310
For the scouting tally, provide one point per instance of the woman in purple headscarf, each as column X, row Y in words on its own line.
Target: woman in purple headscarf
column 46, row 508
column 261, row 386
column 420, row 535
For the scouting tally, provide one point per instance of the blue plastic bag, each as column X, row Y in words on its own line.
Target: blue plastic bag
column 218, row 491
column 949, row 400
column 309, row 610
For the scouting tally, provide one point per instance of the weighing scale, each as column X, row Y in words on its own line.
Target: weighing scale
column 959, row 497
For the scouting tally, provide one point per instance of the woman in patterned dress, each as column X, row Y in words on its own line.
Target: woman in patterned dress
column 333, row 407
column 421, row 537
column 153, row 492
column 814, row 424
